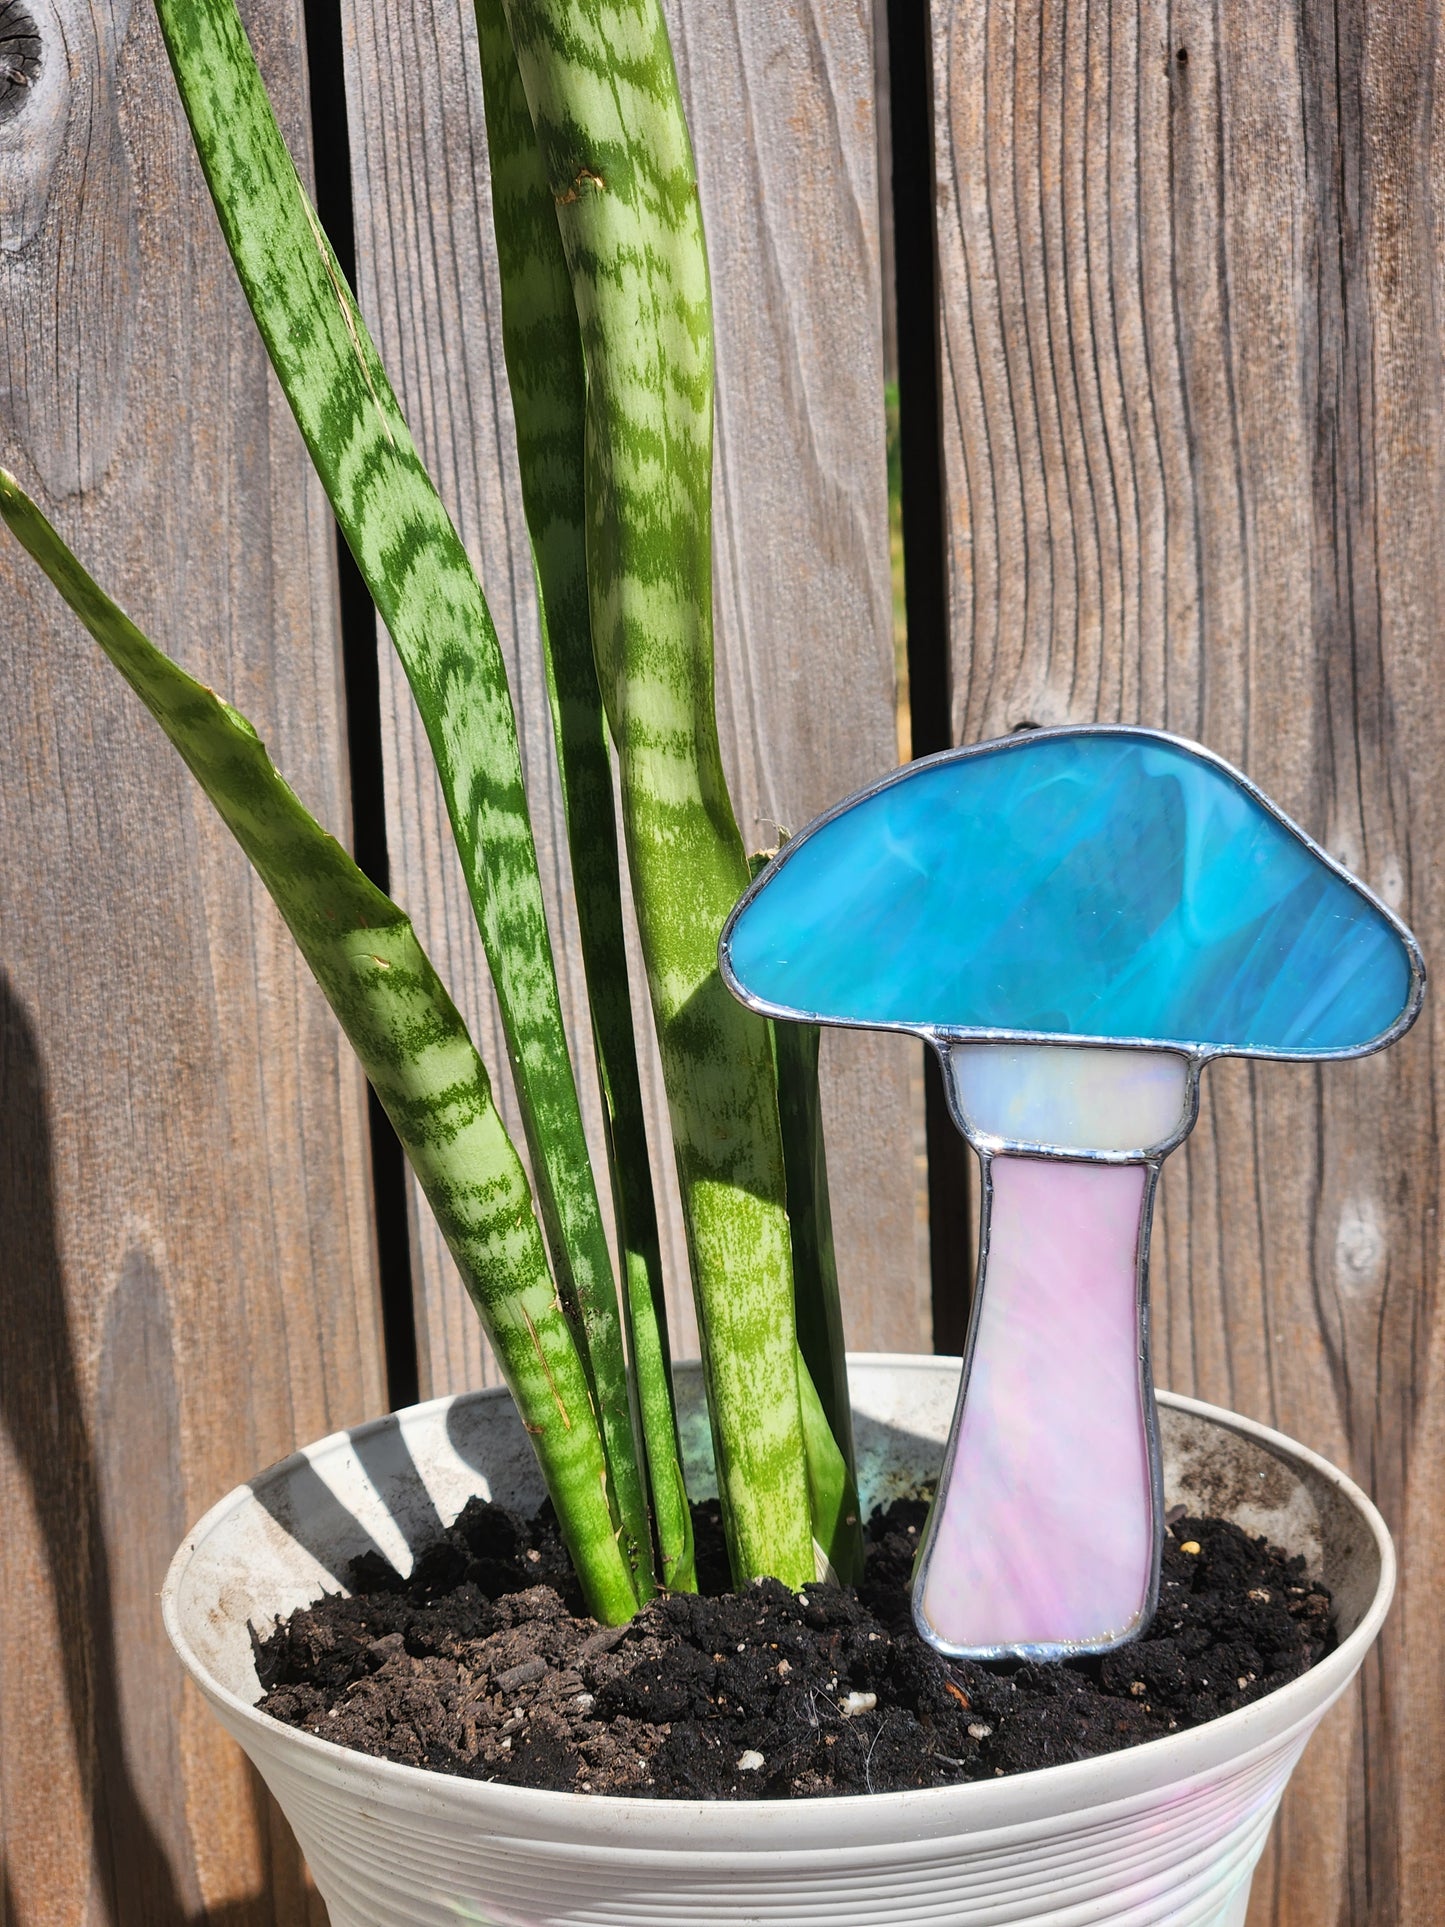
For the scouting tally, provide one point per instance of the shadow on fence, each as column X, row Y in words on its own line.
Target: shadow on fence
column 43, row 1413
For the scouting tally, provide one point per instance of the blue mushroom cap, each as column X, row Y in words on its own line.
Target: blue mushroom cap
column 1103, row 884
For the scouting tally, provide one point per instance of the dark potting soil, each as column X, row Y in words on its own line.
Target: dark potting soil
column 484, row 1663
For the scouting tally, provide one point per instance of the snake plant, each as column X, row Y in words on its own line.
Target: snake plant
column 608, row 341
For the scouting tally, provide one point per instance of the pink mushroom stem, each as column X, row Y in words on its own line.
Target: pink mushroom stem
column 1043, row 1536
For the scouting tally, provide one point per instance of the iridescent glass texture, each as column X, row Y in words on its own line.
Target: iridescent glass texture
column 1077, row 920
column 1065, row 885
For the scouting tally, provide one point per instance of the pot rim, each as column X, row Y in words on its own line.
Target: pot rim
column 1132, row 1776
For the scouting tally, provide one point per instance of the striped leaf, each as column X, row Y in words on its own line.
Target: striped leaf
column 832, row 1491
column 424, row 586
column 823, row 1366
column 549, row 389
column 412, row 1045
column 831, row 1466
column 603, row 92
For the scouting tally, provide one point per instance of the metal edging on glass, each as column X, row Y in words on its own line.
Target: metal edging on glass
column 990, row 1144
column 1197, row 1053
column 1149, row 1409
column 938, row 1034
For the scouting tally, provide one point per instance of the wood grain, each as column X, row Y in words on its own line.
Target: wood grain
column 187, row 1280
column 1190, row 281
column 780, row 102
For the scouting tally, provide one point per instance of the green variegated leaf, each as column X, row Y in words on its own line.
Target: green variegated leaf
column 549, row 400
column 427, row 592
column 831, row 1468
column 823, row 1373
column 603, row 93
column 832, row 1491
column 411, row 1042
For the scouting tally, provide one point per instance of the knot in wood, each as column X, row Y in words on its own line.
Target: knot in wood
column 19, row 56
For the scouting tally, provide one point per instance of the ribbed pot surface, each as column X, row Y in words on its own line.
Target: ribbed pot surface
column 1168, row 1832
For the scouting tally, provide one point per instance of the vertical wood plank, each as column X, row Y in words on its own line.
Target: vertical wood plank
column 780, row 102
column 1190, row 278
column 804, row 648
column 187, row 1283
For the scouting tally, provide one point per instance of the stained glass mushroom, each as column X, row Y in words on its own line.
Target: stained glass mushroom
column 1077, row 920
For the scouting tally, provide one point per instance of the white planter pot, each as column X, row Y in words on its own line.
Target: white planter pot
column 1165, row 1832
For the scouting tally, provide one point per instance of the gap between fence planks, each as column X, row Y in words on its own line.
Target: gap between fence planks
column 187, row 1279
column 1194, row 426
column 781, row 106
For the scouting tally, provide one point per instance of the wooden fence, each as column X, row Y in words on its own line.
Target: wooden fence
column 1170, row 285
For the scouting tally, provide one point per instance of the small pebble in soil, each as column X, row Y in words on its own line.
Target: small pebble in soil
column 483, row 1663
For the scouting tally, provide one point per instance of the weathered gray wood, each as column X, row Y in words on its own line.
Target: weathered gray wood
column 778, row 98
column 887, row 252
column 187, row 1282
column 780, row 101
column 1194, row 422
